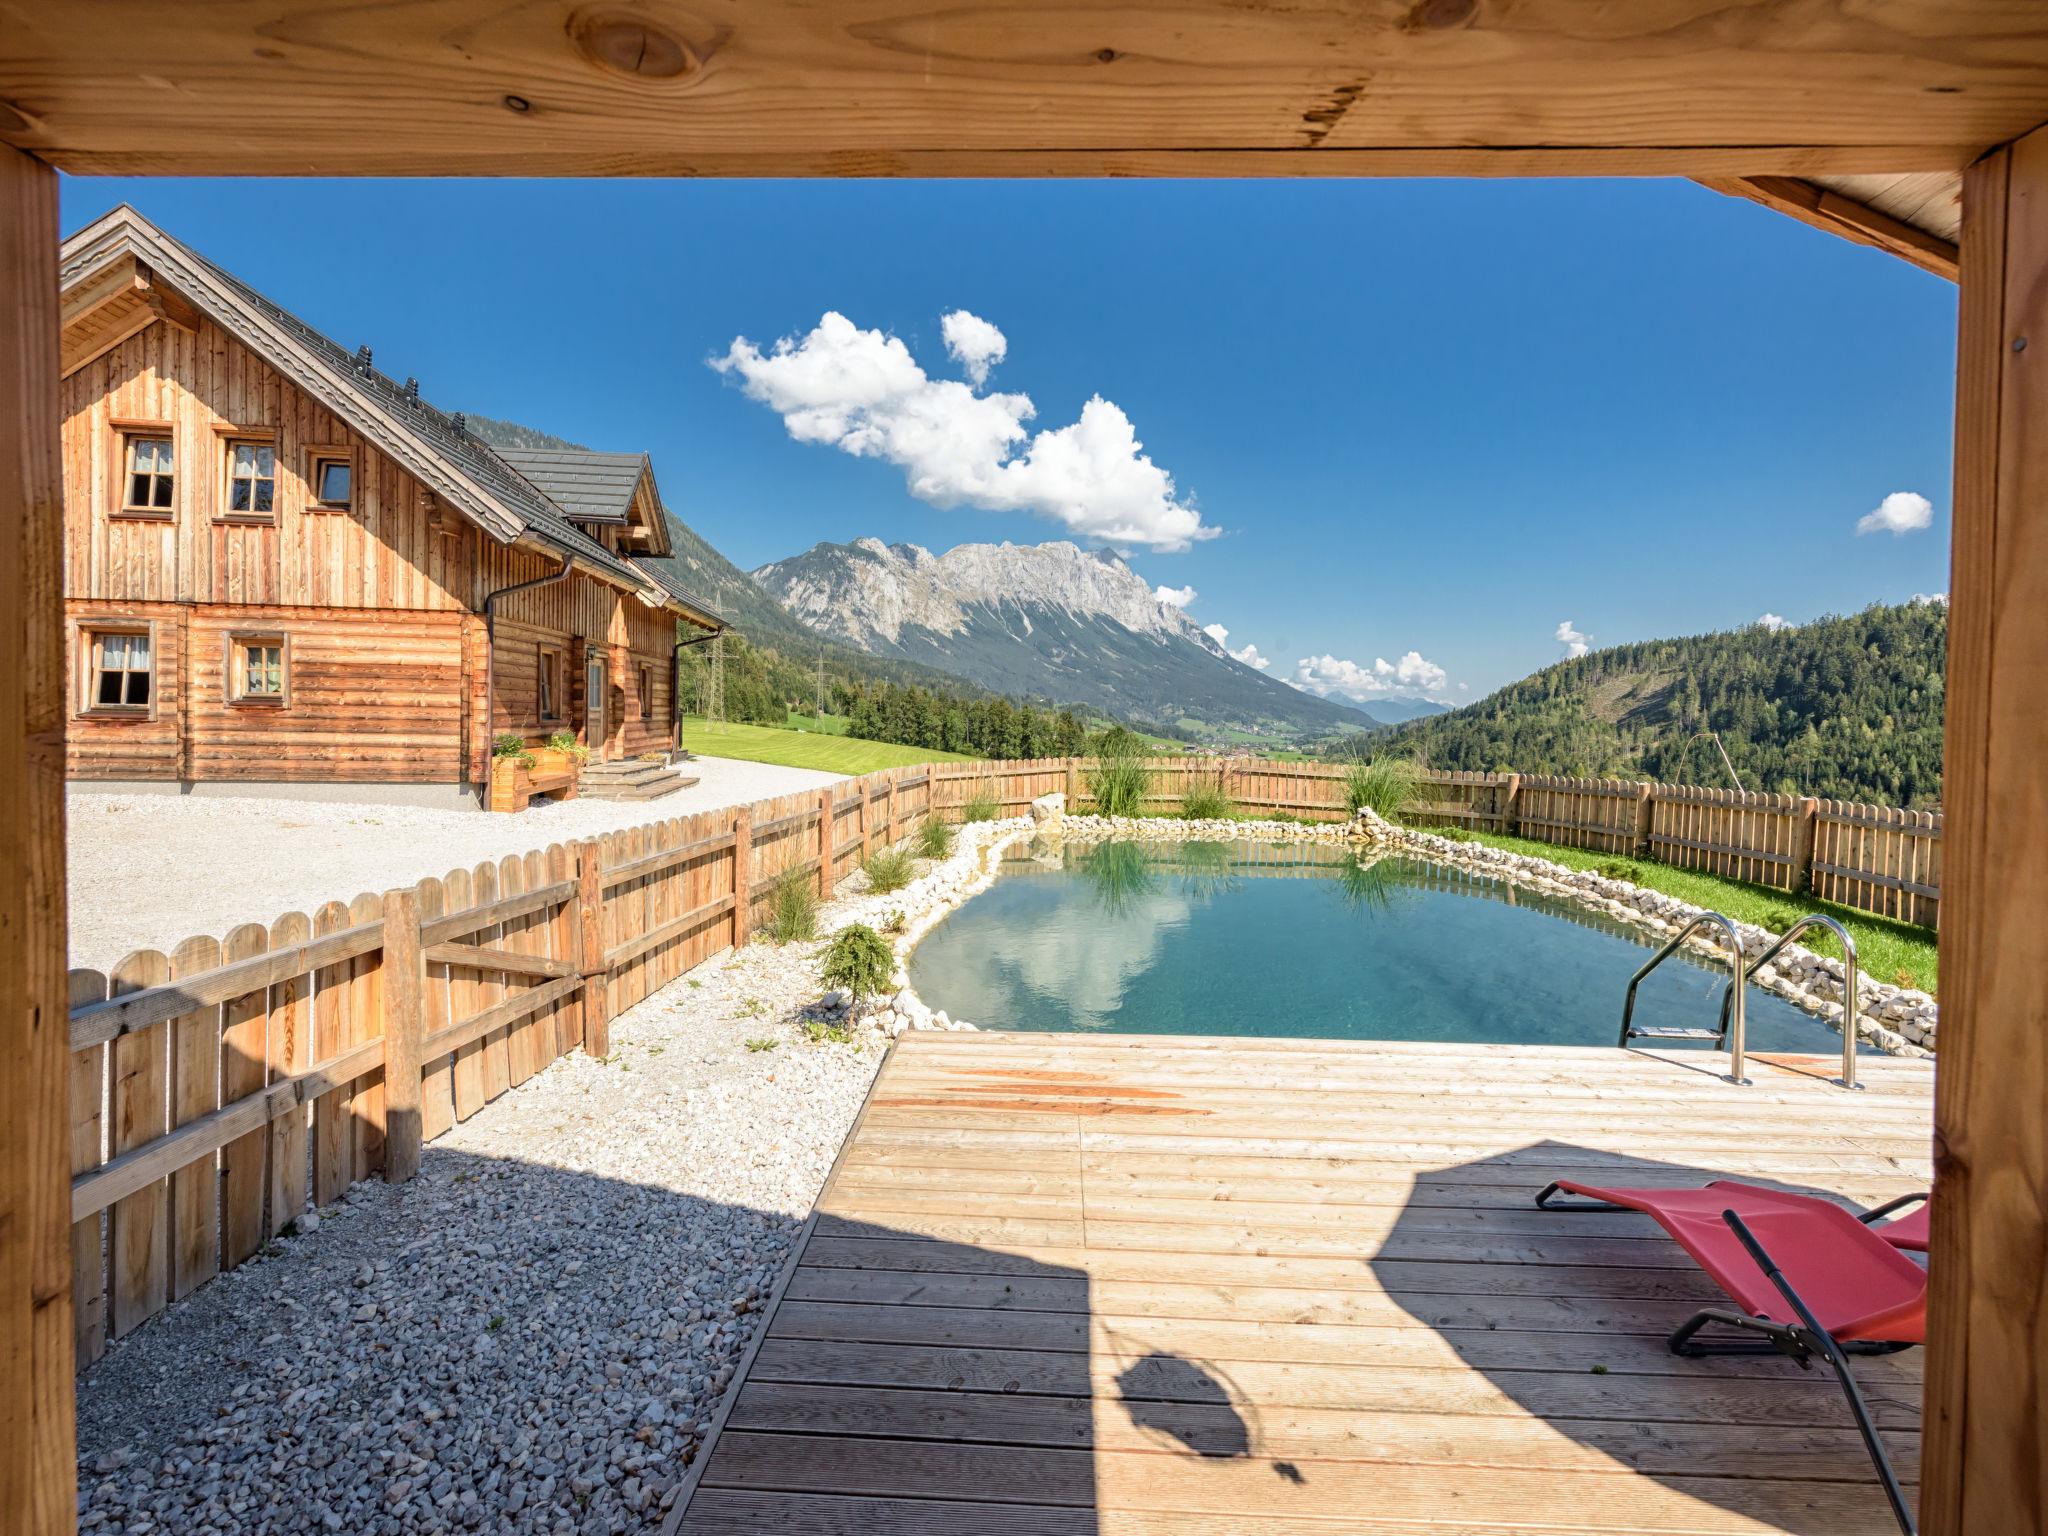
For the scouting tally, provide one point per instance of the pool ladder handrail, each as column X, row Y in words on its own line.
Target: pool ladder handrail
column 1734, row 1013
column 1851, row 979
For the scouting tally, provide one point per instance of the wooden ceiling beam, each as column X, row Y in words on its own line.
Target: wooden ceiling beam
column 1843, row 216
column 1018, row 87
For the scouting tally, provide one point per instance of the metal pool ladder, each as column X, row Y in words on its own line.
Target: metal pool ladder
column 1734, row 1010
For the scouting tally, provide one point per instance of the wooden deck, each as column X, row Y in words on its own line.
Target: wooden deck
column 1150, row 1286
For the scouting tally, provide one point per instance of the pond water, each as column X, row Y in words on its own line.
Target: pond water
column 1294, row 939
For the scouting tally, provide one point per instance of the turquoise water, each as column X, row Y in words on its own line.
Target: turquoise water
column 1250, row 939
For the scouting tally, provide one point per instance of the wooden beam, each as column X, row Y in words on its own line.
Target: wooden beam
column 1028, row 87
column 1843, row 216
column 1987, row 1368
column 37, row 1481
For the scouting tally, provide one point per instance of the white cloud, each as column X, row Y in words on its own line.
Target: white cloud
column 1773, row 622
column 1900, row 512
column 973, row 343
column 1575, row 642
column 1175, row 597
column 1248, row 653
column 1326, row 675
column 1931, row 597
column 862, row 392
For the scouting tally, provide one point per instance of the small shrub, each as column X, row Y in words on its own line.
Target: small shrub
column 1777, row 919
column 1619, row 869
column 511, row 748
column 935, row 839
column 859, row 960
column 982, row 803
column 1206, row 799
column 565, row 741
column 762, row 1043
column 1385, row 785
column 793, row 914
column 888, row 870
column 896, row 922
column 818, row 1032
column 1121, row 776
column 1456, row 835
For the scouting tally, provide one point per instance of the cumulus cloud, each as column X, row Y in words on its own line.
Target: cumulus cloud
column 1900, row 512
column 973, row 343
column 1575, row 642
column 1326, row 675
column 862, row 392
column 1931, row 597
column 1247, row 653
column 1773, row 622
column 1175, row 597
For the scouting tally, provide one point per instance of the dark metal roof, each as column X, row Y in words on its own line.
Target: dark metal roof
column 591, row 487
column 436, row 432
column 661, row 569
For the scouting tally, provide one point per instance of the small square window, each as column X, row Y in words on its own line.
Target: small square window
column 333, row 482
column 252, row 480
column 120, row 670
column 149, row 480
column 548, row 685
column 256, row 669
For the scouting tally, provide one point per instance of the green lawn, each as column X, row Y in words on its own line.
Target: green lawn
column 822, row 725
column 1894, row 952
column 805, row 749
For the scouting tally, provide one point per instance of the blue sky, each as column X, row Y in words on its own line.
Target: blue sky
column 1438, row 417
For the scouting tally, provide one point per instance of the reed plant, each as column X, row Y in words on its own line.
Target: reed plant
column 1385, row 785
column 1207, row 798
column 793, row 912
column 982, row 802
column 888, row 869
column 935, row 839
column 1121, row 776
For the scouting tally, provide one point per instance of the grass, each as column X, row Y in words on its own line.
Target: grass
column 1898, row 953
column 1121, row 776
column 794, row 916
column 762, row 1043
column 823, row 725
column 1205, row 799
column 934, row 838
column 889, row 869
column 1386, row 785
column 805, row 749
column 982, row 803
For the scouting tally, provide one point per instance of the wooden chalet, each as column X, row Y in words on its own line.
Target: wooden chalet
column 283, row 568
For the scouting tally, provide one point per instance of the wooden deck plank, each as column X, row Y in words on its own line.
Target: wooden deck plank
column 1127, row 1286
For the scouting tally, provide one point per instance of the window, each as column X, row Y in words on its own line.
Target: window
column 252, row 480
column 646, row 691
column 149, row 478
column 549, row 690
column 331, row 486
column 119, row 672
column 256, row 669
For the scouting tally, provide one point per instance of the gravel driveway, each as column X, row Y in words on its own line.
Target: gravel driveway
column 529, row 1337
column 147, row 871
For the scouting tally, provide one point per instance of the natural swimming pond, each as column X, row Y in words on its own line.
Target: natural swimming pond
column 1299, row 939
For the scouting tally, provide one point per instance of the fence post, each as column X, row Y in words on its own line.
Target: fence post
column 1073, row 784
column 742, row 878
column 826, row 838
column 405, row 992
column 1802, row 845
column 1644, row 794
column 597, row 1031
column 867, row 817
column 1511, row 804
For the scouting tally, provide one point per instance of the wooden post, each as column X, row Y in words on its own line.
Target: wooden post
column 37, row 1478
column 1644, row 796
column 1986, row 1405
column 1073, row 784
column 867, row 818
column 597, row 1024
column 742, row 878
column 1510, row 803
column 1803, row 830
column 826, row 837
column 405, row 1012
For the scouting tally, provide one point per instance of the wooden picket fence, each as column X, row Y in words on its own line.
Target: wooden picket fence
column 219, row 1089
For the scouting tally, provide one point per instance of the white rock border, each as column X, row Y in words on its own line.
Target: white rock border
column 1898, row 1020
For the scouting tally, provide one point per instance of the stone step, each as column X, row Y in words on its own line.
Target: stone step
column 667, row 782
column 632, row 772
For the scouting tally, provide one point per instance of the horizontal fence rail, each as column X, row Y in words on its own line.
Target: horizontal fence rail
column 218, row 1090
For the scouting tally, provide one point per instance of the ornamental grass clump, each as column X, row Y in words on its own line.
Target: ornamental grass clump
column 935, row 839
column 1385, row 785
column 1206, row 799
column 888, row 870
column 982, row 803
column 1121, row 776
column 793, row 912
column 858, row 961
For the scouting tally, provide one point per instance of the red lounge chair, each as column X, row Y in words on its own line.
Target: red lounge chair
column 1907, row 1231
column 1810, row 1278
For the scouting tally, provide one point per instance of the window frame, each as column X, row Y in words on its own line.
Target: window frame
column 232, row 438
column 331, row 453
column 234, row 670
column 548, row 681
column 90, row 632
column 644, row 680
column 125, row 434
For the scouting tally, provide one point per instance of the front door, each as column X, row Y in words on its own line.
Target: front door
column 594, row 696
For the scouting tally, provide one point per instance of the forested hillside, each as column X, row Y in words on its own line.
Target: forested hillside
column 1844, row 708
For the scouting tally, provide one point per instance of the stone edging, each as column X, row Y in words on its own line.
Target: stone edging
column 1895, row 1019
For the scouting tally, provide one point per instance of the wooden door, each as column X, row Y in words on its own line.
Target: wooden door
column 595, row 731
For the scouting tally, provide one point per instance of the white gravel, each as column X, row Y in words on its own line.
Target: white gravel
column 147, row 871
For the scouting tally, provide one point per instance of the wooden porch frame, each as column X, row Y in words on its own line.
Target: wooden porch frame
column 1383, row 87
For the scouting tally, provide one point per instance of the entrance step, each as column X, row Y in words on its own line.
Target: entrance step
column 630, row 779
